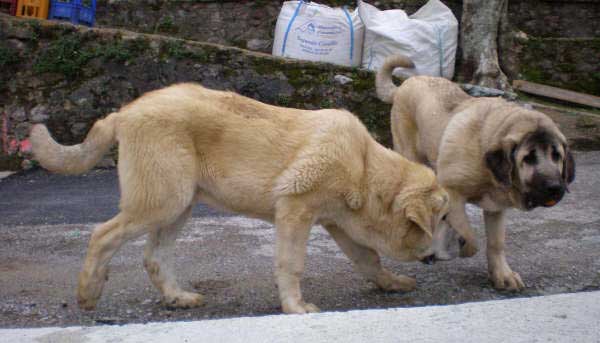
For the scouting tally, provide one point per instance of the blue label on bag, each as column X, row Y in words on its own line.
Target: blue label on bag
column 312, row 37
column 319, row 30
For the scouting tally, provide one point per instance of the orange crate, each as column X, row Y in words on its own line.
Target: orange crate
column 33, row 8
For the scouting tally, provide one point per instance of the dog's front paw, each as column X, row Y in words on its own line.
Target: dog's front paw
column 89, row 288
column 299, row 307
column 86, row 304
column 183, row 300
column 395, row 283
column 87, row 297
column 504, row 278
column 468, row 249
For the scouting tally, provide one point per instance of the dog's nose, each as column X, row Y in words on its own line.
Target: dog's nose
column 429, row 259
column 554, row 190
column 461, row 242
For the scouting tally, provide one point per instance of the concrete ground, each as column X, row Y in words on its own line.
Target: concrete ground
column 46, row 220
column 555, row 318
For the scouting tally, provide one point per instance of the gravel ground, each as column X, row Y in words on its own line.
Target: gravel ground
column 46, row 220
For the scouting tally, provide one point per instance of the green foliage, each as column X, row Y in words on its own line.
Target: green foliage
column 36, row 30
column 179, row 50
column 534, row 74
column 116, row 52
column 327, row 103
column 166, row 24
column 65, row 56
column 7, row 56
column 70, row 53
column 283, row 100
column 175, row 48
column 122, row 51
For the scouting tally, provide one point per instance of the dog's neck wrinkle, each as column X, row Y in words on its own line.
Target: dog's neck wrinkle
column 370, row 230
column 381, row 187
column 379, row 161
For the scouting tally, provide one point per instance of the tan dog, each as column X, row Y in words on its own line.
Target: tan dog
column 295, row 168
column 485, row 151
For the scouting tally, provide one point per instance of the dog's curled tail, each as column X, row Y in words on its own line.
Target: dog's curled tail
column 384, row 84
column 74, row 159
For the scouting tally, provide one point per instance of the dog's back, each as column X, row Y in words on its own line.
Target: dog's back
column 187, row 141
column 435, row 97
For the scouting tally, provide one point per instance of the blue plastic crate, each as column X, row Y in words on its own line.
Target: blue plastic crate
column 75, row 11
column 63, row 10
column 87, row 11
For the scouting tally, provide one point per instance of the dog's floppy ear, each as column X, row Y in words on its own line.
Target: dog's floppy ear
column 417, row 211
column 568, row 172
column 499, row 162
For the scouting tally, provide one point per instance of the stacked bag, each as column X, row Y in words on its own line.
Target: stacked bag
column 366, row 36
column 314, row 32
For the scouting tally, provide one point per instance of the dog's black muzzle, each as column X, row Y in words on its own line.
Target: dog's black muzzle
column 547, row 196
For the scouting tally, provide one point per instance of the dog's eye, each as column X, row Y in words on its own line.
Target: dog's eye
column 555, row 154
column 530, row 158
column 445, row 217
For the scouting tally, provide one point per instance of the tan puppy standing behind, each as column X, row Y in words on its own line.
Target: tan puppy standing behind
column 485, row 151
column 295, row 168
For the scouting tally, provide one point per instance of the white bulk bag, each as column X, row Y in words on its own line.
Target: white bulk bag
column 428, row 37
column 310, row 31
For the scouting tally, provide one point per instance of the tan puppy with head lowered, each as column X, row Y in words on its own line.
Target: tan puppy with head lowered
column 486, row 151
column 295, row 168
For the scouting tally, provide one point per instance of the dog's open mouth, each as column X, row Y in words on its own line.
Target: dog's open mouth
column 551, row 201
column 532, row 202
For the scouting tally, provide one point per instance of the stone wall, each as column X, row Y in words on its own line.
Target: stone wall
column 556, row 18
column 241, row 23
column 68, row 76
column 235, row 22
column 562, row 62
column 250, row 24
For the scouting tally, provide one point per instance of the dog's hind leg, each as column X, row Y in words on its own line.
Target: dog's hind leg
column 159, row 260
column 367, row 262
column 105, row 241
column 404, row 135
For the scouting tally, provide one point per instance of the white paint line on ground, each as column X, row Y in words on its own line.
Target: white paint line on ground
column 4, row 174
column 557, row 318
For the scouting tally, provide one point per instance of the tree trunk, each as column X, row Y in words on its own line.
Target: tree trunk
column 481, row 23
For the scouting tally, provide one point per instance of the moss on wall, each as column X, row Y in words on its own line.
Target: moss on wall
column 570, row 63
column 79, row 75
